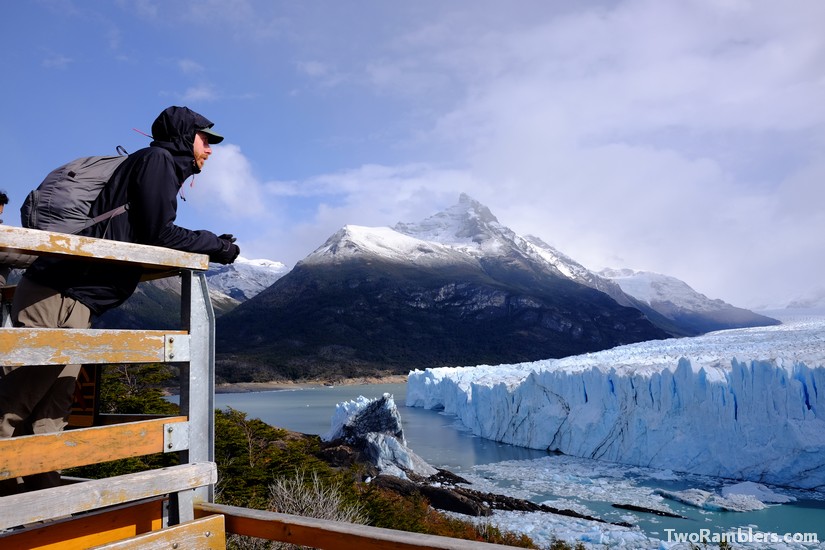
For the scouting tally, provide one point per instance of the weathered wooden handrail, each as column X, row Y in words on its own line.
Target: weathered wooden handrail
column 47, row 243
column 62, row 501
column 205, row 533
column 90, row 529
column 327, row 534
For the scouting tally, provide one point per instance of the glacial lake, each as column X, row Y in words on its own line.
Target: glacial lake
column 436, row 438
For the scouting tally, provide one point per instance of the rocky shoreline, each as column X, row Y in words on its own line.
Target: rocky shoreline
column 275, row 385
column 445, row 491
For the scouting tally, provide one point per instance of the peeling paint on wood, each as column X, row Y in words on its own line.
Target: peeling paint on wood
column 53, row 346
column 61, row 501
column 72, row 448
column 46, row 243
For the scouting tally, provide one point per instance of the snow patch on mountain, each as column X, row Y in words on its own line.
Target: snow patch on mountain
column 467, row 226
column 355, row 241
column 655, row 288
column 244, row 278
column 471, row 227
column 562, row 262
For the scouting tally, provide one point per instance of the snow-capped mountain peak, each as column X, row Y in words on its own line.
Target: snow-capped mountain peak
column 468, row 234
column 379, row 242
column 468, row 225
column 655, row 288
column 245, row 278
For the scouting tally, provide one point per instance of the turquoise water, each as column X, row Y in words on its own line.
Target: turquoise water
column 437, row 439
column 431, row 435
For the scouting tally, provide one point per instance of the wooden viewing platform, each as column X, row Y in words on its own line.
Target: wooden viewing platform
column 168, row 508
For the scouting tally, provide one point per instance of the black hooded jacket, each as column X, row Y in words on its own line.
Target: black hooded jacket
column 149, row 181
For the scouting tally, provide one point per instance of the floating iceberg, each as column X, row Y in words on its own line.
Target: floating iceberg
column 374, row 426
column 757, row 491
column 711, row 501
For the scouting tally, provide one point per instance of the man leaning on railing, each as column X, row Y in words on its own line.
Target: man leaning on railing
column 67, row 292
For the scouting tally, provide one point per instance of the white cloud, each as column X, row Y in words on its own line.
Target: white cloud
column 188, row 66
column 57, row 61
column 202, row 92
column 313, row 68
column 640, row 132
column 227, row 187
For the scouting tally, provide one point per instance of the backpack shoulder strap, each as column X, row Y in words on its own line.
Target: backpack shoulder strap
column 105, row 216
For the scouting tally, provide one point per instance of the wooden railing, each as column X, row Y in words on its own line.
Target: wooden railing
column 166, row 508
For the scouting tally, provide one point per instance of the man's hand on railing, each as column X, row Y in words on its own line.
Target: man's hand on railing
column 228, row 252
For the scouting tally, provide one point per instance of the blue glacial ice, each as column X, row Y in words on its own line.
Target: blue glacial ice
column 746, row 404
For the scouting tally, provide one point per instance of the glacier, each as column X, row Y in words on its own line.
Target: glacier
column 742, row 404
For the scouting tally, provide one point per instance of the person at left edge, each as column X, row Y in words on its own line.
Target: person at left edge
column 10, row 260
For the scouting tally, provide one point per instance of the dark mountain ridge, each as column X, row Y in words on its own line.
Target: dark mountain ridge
column 322, row 319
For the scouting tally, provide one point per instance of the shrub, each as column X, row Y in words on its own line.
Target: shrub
column 308, row 496
column 304, row 495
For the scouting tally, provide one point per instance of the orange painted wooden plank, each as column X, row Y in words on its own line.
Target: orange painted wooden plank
column 94, row 528
column 51, row 346
column 206, row 533
column 33, row 454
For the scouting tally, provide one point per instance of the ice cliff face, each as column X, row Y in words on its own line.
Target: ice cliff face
column 744, row 404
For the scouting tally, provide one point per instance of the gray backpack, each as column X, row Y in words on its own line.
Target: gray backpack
column 62, row 201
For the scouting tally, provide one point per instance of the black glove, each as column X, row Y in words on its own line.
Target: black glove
column 228, row 237
column 228, row 252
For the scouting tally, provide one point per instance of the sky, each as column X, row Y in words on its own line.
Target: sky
column 684, row 138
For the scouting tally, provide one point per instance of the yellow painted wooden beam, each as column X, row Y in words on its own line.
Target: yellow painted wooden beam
column 72, row 448
column 46, row 346
column 94, row 528
column 206, row 533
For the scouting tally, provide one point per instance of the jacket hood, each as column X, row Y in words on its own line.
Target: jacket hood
column 174, row 130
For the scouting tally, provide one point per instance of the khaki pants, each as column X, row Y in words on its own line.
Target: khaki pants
column 38, row 399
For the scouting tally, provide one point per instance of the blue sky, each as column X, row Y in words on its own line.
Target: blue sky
column 684, row 138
